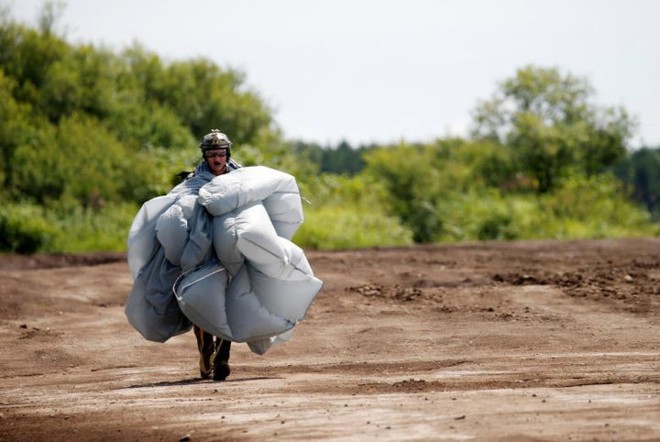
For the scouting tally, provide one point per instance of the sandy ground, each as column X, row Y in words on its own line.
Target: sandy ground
column 512, row 341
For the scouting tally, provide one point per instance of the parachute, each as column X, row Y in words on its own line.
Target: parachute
column 217, row 252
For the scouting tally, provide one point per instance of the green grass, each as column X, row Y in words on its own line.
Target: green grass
column 333, row 228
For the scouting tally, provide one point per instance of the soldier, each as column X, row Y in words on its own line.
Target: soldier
column 214, row 351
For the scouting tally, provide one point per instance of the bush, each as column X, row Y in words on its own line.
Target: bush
column 346, row 212
column 87, row 229
column 594, row 207
column 333, row 228
column 475, row 215
column 582, row 207
column 24, row 230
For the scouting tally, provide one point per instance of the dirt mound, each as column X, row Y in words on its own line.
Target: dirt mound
column 534, row 340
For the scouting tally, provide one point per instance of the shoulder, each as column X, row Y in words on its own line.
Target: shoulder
column 233, row 165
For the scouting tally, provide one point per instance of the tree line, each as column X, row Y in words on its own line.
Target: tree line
column 638, row 170
column 88, row 134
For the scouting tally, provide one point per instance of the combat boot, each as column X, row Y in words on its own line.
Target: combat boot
column 221, row 360
column 206, row 349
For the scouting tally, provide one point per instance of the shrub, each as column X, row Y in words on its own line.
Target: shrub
column 334, row 227
column 88, row 229
column 583, row 207
column 23, row 229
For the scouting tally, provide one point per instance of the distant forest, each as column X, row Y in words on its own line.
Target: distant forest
column 639, row 170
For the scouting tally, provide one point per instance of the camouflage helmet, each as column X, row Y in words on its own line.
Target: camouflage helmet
column 215, row 140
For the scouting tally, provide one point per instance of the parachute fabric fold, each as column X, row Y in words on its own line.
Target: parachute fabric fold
column 151, row 309
column 261, row 284
column 277, row 190
column 142, row 239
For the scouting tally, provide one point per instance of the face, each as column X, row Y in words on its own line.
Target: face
column 217, row 160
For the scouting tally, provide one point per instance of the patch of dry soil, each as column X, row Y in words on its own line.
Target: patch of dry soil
column 541, row 340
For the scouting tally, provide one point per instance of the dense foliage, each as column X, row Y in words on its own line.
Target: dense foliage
column 87, row 135
column 551, row 128
column 85, row 129
column 340, row 159
column 641, row 172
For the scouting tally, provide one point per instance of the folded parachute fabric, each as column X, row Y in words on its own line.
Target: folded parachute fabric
column 151, row 307
column 239, row 275
column 278, row 191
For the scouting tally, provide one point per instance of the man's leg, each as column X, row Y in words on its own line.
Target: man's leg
column 221, row 362
column 206, row 349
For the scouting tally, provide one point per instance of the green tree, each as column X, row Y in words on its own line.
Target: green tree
column 79, row 160
column 27, row 56
column 14, row 131
column 641, row 171
column 83, row 80
column 340, row 159
column 410, row 179
column 552, row 126
column 202, row 94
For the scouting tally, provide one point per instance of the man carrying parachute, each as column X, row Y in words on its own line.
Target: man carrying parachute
column 215, row 254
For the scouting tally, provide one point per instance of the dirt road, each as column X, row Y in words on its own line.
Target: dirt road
column 489, row 341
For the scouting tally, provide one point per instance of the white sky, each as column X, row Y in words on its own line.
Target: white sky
column 386, row 70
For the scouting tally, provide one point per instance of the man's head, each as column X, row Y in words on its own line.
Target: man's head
column 216, row 150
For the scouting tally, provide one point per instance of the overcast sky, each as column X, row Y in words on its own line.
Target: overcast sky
column 386, row 70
